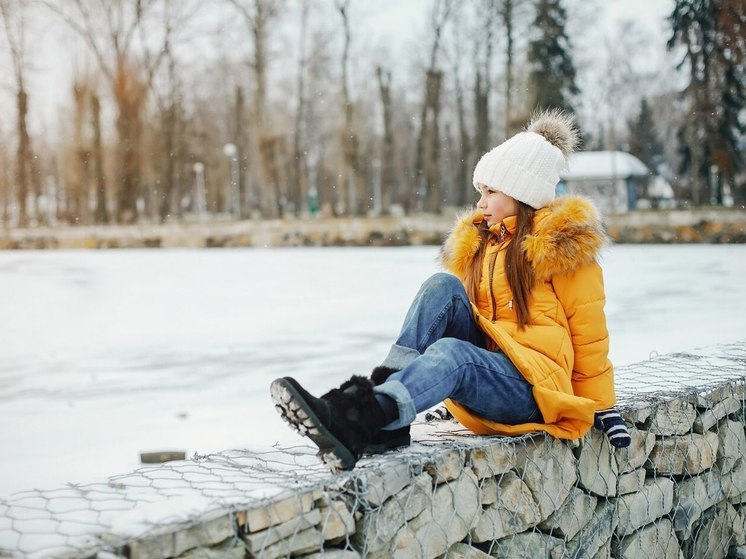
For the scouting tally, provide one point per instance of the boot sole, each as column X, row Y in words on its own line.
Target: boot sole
column 380, row 448
column 298, row 414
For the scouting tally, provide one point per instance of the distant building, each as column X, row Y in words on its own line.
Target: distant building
column 612, row 179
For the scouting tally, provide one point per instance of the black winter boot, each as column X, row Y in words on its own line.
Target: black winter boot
column 341, row 423
column 386, row 440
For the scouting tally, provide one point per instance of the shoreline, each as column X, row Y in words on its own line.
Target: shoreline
column 639, row 227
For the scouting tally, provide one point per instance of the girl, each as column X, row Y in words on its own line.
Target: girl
column 513, row 338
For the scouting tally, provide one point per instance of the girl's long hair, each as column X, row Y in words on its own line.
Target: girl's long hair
column 518, row 269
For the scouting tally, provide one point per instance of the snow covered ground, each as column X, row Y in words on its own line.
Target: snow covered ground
column 108, row 354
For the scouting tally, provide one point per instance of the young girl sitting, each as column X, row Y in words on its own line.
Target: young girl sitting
column 513, row 338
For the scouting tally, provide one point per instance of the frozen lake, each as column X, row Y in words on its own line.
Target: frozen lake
column 108, row 354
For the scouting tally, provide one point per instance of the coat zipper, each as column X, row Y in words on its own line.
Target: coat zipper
column 501, row 239
column 492, row 293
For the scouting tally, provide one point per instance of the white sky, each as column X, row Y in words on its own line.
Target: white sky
column 391, row 27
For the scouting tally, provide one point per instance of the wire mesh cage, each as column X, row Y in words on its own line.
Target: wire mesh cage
column 678, row 491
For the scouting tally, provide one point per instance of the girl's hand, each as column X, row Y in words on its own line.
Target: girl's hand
column 611, row 423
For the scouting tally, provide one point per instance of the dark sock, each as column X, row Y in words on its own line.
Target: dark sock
column 389, row 407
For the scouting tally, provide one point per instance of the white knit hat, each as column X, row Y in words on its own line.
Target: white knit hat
column 527, row 166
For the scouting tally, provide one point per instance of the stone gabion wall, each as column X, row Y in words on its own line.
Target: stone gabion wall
column 679, row 491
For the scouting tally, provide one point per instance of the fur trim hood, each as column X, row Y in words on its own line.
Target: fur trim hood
column 567, row 235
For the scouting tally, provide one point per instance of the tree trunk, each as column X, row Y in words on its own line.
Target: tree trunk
column 482, row 116
column 299, row 180
column 130, row 97
column 78, row 186
column 5, row 183
column 22, row 158
column 168, row 126
column 508, row 23
column 463, row 180
column 354, row 182
column 389, row 188
column 238, row 141
column 432, row 146
column 269, row 189
column 102, row 215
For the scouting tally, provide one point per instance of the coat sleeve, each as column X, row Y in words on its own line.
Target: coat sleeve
column 581, row 294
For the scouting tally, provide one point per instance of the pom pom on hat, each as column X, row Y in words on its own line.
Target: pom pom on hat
column 526, row 167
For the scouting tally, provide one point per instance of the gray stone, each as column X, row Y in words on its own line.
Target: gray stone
column 209, row 530
column 496, row 458
column 715, row 532
column 731, row 445
column 597, row 467
column 654, row 540
column 595, row 534
column 688, row 454
column 709, row 417
column 739, row 527
column 734, row 483
column 430, row 534
column 334, row 554
column 737, row 552
column 575, row 512
column 710, row 397
column 549, row 472
column 231, row 549
column 638, row 509
column 278, row 512
column 635, row 455
column 379, row 526
column 302, row 542
column 168, row 541
column 604, row 552
column 446, row 466
column 336, row 521
column 693, row 496
column 631, row 482
column 638, row 414
column 261, row 540
column 376, row 485
column 488, row 491
column 465, row 551
column 674, row 417
column 528, row 544
column 515, row 511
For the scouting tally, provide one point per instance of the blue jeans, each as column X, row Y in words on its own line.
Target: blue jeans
column 441, row 353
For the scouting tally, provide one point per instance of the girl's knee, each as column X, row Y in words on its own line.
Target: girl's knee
column 443, row 283
column 452, row 347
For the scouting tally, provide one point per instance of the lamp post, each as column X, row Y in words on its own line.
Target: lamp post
column 231, row 153
column 199, row 188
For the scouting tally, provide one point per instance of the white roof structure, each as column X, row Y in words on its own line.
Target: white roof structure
column 589, row 165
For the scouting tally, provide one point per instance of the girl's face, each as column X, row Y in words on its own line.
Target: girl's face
column 495, row 205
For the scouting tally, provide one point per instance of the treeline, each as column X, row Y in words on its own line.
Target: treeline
column 265, row 108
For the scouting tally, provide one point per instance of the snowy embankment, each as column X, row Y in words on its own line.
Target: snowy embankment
column 664, row 226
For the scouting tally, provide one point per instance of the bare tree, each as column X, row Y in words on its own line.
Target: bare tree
column 462, row 170
column 483, row 79
column 102, row 213
column 128, row 53
column 299, row 181
column 14, row 14
column 258, row 16
column 428, row 143
column 353, row 178
column 5, row 191
column 388, row 176
column 78, row 179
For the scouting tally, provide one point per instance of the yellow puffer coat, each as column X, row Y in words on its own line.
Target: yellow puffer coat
column 563, row 350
